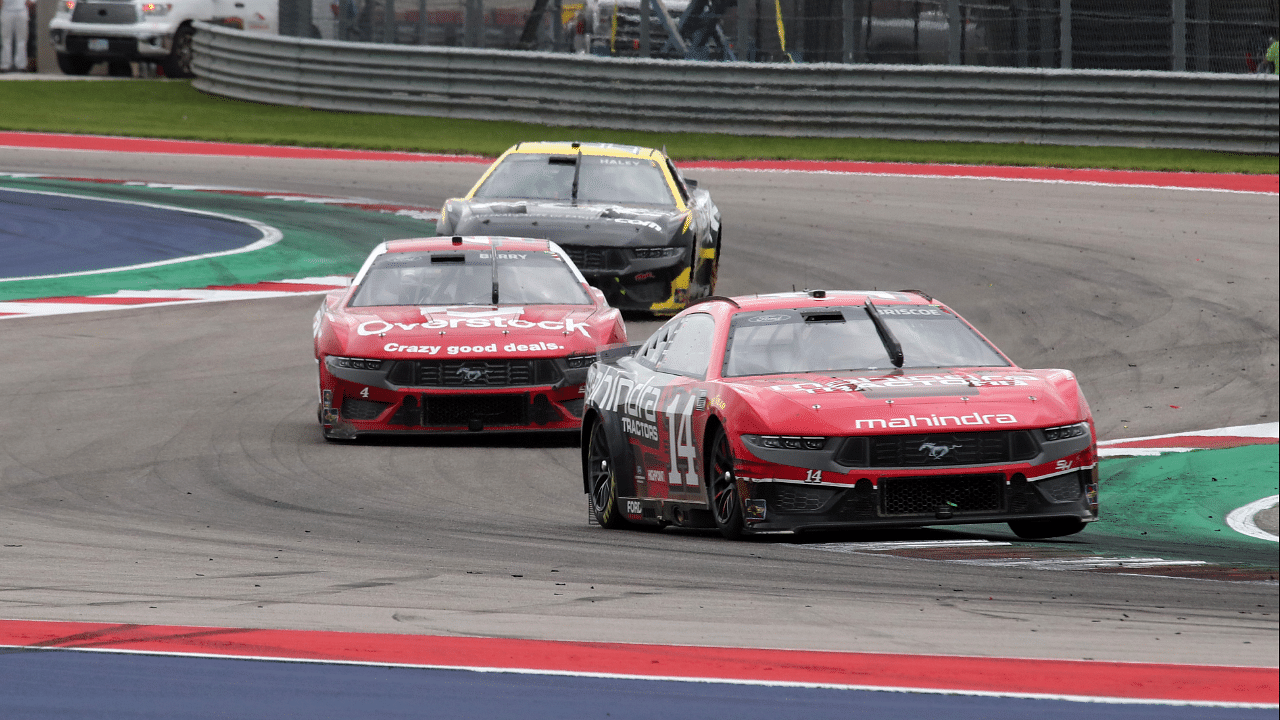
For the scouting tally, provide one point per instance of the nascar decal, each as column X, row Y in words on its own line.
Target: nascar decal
column 855, row 384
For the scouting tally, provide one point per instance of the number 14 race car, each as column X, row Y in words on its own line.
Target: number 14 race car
column 816, row 411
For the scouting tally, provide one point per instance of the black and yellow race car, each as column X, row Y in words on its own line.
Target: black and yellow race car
column 638, row 230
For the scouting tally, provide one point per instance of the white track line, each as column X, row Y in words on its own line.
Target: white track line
column 1241, row 519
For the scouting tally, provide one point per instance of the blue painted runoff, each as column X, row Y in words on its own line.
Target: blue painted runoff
column 54, row 234
column 70, row 685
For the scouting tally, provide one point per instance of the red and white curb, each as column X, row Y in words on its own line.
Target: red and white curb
column 1237, row 436
column 1218, row 182
column 129, row 299
column 1106, row 682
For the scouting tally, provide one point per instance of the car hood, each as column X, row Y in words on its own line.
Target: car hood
column 907, row 402
column 599, row 225
column 467, row 331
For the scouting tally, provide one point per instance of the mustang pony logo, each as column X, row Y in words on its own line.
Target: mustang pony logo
column 937, row 452
column 472, row 374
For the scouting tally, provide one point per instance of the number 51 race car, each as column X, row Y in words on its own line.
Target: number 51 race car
column 459, row 335
column 816, row 410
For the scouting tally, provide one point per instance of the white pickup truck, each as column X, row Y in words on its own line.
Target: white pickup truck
column 86, row 32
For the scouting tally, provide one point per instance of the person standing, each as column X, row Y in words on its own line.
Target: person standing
column 14, row 18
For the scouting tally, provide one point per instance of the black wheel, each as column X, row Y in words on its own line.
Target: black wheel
column 602, row 480
column 722, row 488
column 178, row 63
column 74, row 65
column 119, row 68
column 1040, row 529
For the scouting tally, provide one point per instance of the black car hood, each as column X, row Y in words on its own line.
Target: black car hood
column 567, row 224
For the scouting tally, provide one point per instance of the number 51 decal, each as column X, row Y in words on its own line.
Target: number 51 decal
column 681, row 442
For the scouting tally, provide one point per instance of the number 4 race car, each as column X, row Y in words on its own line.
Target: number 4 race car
column 812, row 411
column 458, row 335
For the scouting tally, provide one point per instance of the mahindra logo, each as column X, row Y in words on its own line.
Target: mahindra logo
column 471, row 374
column 937, row 452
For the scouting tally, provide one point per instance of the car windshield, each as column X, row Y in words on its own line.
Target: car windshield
column 626, row 181
column 776, row 342
column 466, row 278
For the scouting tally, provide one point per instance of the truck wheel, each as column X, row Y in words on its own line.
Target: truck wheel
column 178, row 64
column 74, row 64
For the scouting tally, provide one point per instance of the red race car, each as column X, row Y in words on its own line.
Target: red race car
column 816, row 410
column 457, row 335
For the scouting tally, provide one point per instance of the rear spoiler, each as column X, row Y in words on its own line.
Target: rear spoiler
column 610, row 354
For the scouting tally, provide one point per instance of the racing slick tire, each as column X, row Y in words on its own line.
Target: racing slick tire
column 722, row 488
column 178, row 63
column 1041, row 529
column 74, row 64
column 602, row 480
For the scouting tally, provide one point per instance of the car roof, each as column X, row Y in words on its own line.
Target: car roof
column 444, row 244
column 800, row 300
column 587, row 148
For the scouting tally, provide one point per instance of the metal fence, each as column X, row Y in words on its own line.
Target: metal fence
column 1173, row 35
column 1081, row 107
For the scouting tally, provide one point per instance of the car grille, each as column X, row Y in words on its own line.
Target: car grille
column 1063, row 488
column 114, row 13
column 798, row 498
column 353, row 409
column 595, row 258
column 938, row 449
column 927, row 495
column 485, row 409
column 475, row 373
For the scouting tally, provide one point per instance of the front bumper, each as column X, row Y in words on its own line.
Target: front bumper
column 361, row 402
column 895, row 481
column 659, row 285
column 106, row 42
column 989, row 497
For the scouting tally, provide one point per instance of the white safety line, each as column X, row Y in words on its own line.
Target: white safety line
column 856, row 547
column 1262, row 430
column 1082, row 563
column 1241, row 519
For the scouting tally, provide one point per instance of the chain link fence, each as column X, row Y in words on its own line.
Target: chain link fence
column 1171, row 35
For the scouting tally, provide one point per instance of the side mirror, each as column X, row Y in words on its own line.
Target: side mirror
column 691, row 183
column 598, row 294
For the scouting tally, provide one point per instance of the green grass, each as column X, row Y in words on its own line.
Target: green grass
column 173, row 109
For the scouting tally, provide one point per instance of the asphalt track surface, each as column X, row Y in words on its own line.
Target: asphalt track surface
column 163, row 466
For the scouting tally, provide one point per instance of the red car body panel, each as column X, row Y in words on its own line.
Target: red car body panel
column 896, row 447
column 459, row 368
